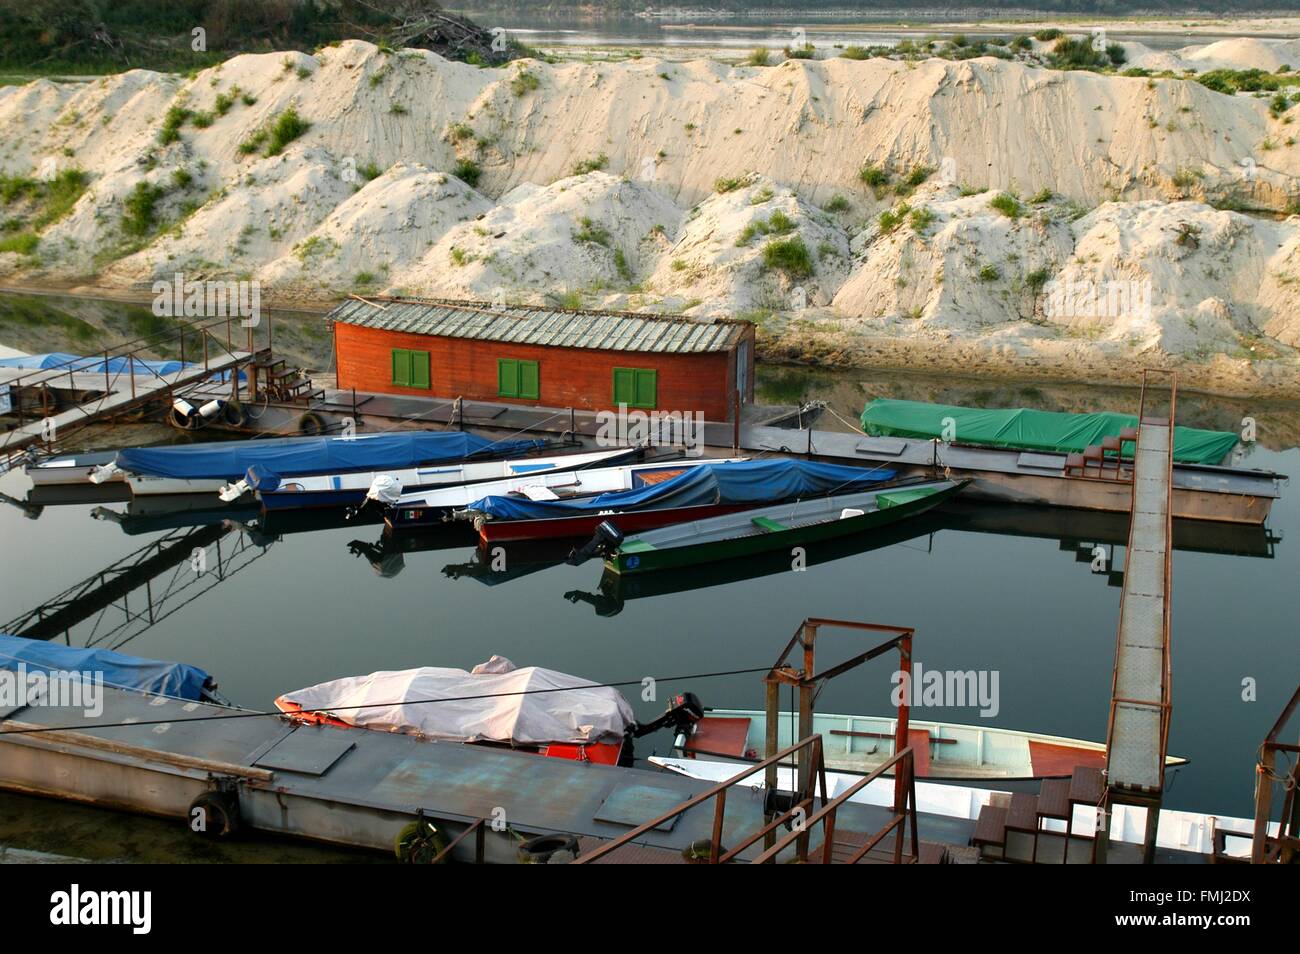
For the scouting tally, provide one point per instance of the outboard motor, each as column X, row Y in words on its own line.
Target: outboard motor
column 608, row 538
column 683, row 712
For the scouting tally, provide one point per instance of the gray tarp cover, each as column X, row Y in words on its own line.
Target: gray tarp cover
column 508, row 707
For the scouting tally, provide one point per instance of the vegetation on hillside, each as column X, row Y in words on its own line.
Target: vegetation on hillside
column 85, row 36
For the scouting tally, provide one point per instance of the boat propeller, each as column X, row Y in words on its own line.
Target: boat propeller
column 608, row 538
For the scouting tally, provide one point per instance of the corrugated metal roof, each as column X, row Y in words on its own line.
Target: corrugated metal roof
column 552, row 327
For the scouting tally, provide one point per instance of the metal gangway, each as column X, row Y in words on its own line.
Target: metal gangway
column 75, row 393
column 1141, row 699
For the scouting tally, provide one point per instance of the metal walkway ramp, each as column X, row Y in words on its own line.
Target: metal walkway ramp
column 1140, row 695
column 120, row 397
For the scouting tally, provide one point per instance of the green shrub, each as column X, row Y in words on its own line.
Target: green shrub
column 591, row 232
column 874, row 176
column 759, row 56
column 24, row 243
column 1051, row 33
column 523, row 83
column 287, row 127
column 1041, row 196
column 989, row 273
column 837, row 204
column 728, row 185
column 139, row 216
column 855, row 53
column 591, row 165
column 790, row 256
column 891, row 219
column 173, row 120
column 467, row 171
column 921, row 218
column 1007, row 204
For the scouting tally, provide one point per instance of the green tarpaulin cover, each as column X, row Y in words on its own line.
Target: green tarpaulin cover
column 1028, row 429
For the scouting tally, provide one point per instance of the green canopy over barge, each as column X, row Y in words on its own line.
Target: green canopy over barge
column 1027, row 429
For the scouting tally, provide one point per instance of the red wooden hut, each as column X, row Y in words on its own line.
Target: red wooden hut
column 550, row 357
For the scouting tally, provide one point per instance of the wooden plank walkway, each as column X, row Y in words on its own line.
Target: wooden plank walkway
column 1135, row 753
column 122, row 397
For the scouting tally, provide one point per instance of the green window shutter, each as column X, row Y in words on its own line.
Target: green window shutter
column 401, row 367
column 624, row 386
column 647, row 388
column 507, row 377
column 419, row 369
column 530, row 382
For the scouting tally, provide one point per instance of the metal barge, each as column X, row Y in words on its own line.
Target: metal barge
column 361, row 788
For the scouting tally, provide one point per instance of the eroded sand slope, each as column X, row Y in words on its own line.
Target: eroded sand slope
column 600, row 183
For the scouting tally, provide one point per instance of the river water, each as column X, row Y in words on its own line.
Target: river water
column 774, row 32
column 1010, row 596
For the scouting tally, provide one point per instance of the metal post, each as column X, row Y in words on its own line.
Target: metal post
column 735, row 427
column 900, row 731
column 806, row 703
column 772, row 709
column 131, row 370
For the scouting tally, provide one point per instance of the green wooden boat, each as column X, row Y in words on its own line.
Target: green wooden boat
column 738, row 535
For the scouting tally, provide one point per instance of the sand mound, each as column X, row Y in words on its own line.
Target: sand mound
column 717, row 264
column 587, row 234
column 1179, row 277
column 382, row 228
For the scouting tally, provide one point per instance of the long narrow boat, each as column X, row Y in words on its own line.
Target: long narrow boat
column 740, row 535
column 68, row 468
column 340, row 490
column 858, row 744
column 696, row 495
column 436, row 506
column 208, row 467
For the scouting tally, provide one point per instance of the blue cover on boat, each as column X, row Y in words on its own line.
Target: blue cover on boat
column 230, row 460
column 178, row 680
column 753, row 481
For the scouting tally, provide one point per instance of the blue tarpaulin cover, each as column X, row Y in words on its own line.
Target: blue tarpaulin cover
column 230, row 460
column 178, row 680
column 95, row 365
column 73, row 362
column 754, row 481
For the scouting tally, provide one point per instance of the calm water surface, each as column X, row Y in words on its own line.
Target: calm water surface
column 299, row 608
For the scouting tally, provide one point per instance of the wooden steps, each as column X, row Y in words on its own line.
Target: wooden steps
column 1014, row 827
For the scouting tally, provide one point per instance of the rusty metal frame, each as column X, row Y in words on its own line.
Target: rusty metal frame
column 478, row 829
column 718, row 794
column 809, row 682
column 1285, row 848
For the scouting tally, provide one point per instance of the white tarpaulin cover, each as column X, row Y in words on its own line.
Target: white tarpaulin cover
column 580, row 713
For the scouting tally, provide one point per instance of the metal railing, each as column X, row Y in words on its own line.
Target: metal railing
column 826, row 817
column 1285, row 847
column 1165, row 703
column 478, row 828
column 718, row 795
column 135, row 366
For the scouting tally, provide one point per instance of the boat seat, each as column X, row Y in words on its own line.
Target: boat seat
column 719, row 735
column 768, row 524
